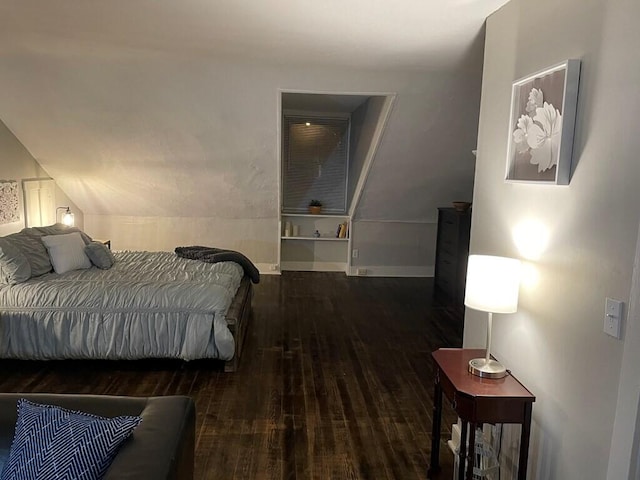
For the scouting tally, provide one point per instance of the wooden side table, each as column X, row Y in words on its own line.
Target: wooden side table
column 477, row 400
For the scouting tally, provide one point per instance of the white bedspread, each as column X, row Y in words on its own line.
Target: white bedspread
column 148, row 305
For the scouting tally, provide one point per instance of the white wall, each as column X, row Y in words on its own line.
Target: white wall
column 18, row 164
column 228, row 189
column 555, row 344
column 139, row 137
column 394, row 249
column 625, row 444
column 165, row 233
column 364, row 122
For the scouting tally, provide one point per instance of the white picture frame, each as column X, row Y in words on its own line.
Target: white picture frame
column 541, row 126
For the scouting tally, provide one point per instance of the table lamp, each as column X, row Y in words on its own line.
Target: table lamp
column 492, row 287
column 67, row 216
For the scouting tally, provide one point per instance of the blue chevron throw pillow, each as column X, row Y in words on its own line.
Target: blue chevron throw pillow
column 51, row 442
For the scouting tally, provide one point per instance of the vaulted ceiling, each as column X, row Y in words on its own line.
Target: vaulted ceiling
column 169, row 108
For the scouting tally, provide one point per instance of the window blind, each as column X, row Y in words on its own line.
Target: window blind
column 315, row 163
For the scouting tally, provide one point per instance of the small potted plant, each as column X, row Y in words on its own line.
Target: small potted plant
column 315, row 207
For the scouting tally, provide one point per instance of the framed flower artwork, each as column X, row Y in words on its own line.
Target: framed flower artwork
column 9, row 207
column 543, row 113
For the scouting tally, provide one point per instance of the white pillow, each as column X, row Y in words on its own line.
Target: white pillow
column 66, row 252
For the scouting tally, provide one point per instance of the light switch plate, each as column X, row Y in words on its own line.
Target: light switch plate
column 612, row 317
column 612, row 326
column 613, row 307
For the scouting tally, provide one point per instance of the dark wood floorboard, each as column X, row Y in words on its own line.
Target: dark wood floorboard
column 336, row 382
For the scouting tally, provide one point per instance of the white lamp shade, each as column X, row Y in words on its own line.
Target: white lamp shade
column 492, row 284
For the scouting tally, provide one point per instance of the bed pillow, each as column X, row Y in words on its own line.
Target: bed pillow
column 31, row 247
column 66, row 252
column 54, row 442
column 100, row 255
column 14, row 266
column 4, row 454
column 57, row 229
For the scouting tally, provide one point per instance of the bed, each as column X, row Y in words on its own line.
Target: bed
column 146, row 305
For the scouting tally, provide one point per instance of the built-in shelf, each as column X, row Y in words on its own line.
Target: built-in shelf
column 304, row 251
column 316, row 215
column 317, row 239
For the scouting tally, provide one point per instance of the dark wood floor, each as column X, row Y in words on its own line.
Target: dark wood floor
column 335, row 382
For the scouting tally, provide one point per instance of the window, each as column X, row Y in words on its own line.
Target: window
column 315, row 163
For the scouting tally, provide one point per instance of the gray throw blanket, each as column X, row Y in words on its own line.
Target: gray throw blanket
column 214, row 255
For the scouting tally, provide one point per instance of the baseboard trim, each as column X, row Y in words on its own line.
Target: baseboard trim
column 313, row 266
column 268, row 268
column 391, row 271
column 369, row 270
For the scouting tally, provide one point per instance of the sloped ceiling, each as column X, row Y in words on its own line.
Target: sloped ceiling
column 169, row 108
column 361, row 33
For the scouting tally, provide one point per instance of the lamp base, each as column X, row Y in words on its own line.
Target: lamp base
column 487, row 369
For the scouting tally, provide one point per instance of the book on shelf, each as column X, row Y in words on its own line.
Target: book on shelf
column 342, row 230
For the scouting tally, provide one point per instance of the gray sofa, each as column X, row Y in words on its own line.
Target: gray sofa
column 161, row 447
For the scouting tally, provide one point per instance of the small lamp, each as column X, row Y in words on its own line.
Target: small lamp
column 67, row 216
column 492, row 287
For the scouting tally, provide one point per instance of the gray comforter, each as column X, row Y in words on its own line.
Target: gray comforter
column 148, row 305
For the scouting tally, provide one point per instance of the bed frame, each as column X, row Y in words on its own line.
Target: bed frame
column 238, row 317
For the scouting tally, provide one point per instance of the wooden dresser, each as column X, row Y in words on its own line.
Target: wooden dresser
column 452, row 252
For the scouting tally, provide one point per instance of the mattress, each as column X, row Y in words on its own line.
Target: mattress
column 148, row 305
